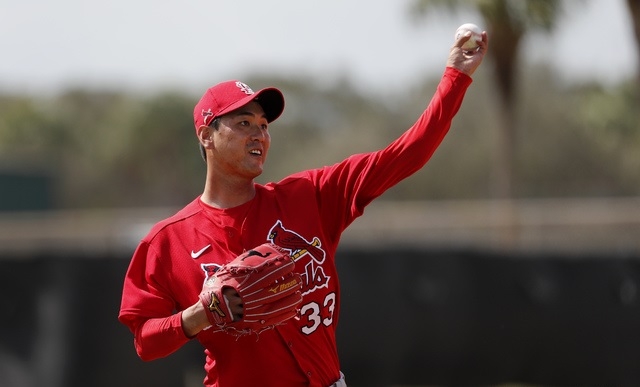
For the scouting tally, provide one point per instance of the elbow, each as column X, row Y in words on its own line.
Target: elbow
column 146, row 358
column 146, row 353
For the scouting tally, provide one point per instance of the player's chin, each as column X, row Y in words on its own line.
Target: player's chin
column 255, row 170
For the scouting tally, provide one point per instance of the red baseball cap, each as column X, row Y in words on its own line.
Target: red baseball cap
column 227, row 96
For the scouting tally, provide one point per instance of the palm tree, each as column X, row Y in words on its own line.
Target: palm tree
column 506, row 23
column 634, row 11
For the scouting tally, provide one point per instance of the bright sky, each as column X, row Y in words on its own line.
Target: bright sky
column 141, row 44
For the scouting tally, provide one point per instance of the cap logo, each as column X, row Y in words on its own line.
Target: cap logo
column 244, row 88
column 206, row 114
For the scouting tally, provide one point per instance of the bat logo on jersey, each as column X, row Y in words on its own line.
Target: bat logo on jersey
column 314, row 276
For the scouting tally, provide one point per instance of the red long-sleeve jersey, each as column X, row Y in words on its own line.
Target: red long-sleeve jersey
column 305, row 213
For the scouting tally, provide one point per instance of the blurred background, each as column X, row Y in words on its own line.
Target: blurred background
column 517, row 248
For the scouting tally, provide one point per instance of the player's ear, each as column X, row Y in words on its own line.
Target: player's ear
column 205, row 136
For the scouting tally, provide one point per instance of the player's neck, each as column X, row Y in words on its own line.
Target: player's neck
column 228, row 194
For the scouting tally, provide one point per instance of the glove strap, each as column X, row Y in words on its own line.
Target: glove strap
column 217, row 310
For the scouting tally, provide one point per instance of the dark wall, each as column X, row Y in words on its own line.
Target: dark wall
column 408, row 317
column 60, row 321
column 447, row 318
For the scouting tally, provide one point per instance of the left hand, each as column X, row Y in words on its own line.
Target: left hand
column 235, row 303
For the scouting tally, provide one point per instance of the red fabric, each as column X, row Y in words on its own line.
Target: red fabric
column 305, row 213
column 227, row 96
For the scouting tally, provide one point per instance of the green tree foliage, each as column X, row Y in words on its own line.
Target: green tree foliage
column 112, row 149
column 161, row 152
column 634, row 11
column 578, row 141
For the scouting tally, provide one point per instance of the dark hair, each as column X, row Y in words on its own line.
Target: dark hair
column 215, row 124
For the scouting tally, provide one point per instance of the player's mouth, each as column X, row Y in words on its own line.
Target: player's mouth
column 256, row 152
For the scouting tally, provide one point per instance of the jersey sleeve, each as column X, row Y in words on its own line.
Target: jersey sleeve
column 147, row 309
column 352, row 184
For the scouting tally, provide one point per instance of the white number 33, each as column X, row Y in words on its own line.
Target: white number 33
column 313, row 313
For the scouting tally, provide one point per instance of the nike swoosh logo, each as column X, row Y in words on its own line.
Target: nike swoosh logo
column 196, row 254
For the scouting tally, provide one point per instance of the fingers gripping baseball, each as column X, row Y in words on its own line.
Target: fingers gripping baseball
column 256, row 291
column 469, row 48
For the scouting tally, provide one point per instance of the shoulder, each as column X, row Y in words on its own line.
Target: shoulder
column 186, row 215
column 293, row 180
column 338, row 174
column 297, row 183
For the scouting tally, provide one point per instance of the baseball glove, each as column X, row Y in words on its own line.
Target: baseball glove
column 263, row 278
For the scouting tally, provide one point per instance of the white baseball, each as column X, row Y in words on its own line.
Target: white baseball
column 476, row 36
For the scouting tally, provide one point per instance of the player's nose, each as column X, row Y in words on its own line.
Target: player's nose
column 258, row 133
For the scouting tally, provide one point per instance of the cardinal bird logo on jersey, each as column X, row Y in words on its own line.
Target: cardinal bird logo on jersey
column 209, row 270
column 313, row 277
column 297, row 245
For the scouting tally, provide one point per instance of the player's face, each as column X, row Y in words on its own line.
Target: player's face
column 241, row 142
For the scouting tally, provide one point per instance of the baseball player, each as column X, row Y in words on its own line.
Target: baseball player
column 180, row 284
